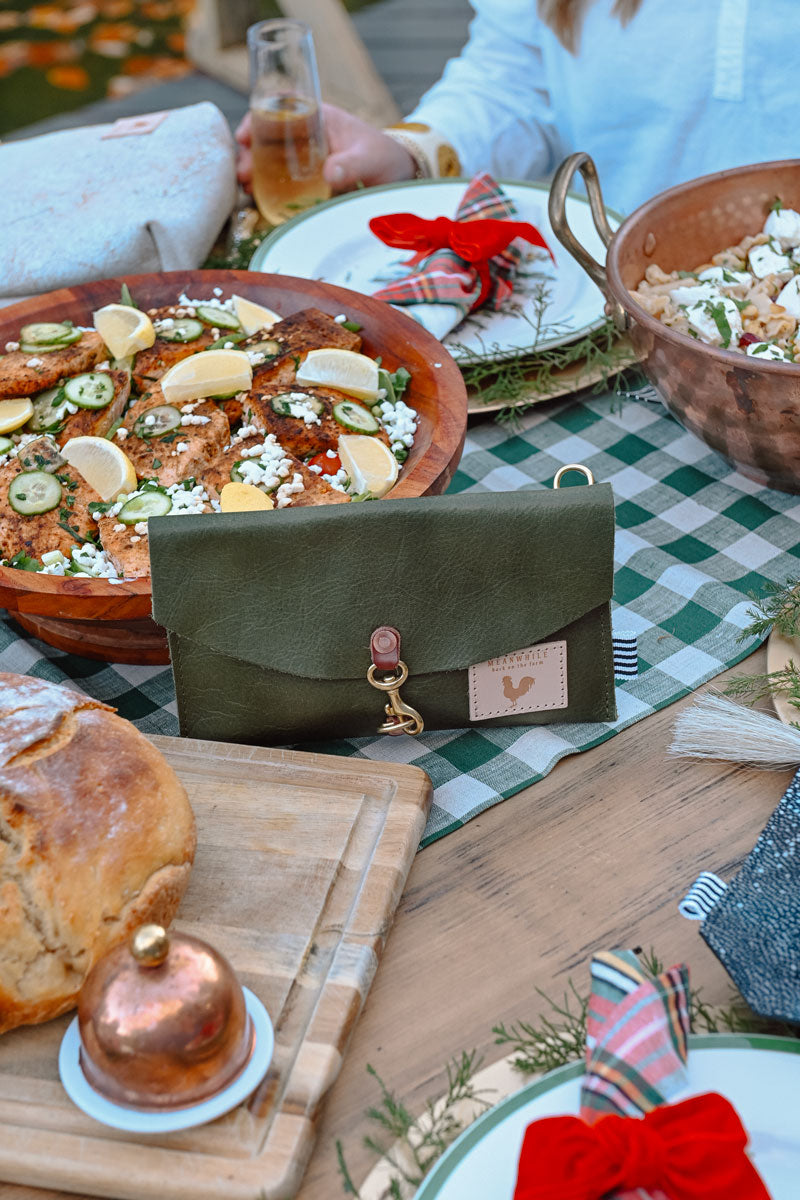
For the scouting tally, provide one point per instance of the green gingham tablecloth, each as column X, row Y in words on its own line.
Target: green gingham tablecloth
column 695, row 540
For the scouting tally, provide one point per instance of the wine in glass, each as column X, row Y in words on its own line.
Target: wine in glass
column 288, row 137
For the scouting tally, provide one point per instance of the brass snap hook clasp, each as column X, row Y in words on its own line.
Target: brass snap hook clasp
column 385, row 649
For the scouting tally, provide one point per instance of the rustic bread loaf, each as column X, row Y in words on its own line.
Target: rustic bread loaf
column 96, row 837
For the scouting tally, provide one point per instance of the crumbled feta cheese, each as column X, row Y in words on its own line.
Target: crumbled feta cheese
column 34, row 362
column 217, row 291
column 265, row 464
column 180, row 447
column 300, row 406
column 54, row 558
column 767, row 259
column 701, row 320
column 133, row 540
column 119, row 527
column 789, row 296
column 244, row 431
column 694, row 293
column 287, row 490
column 215, row 333
column 140, row 527
column 724, row 276
column 11, row 347
column 149, row 419
column 121, row 433
column 338, row 481
column 766, row 350
column 256, row 357
column 194, row 420
column 187, row 500
column 90, row 561
column 163, row 324
column 331, row 454
column 340, row 320
column 784, row 224
column 212, row 303
column 399, row 421
column 437, row 364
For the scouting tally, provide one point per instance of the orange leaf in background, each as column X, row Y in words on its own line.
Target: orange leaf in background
column 158, row 10
column 12, row 56
column 114, row 10
column 121, row 31
column 73, row 79
column 157, row 66
column 177, row 42
column 10, row 20
column 49, row 16
column 43, row 54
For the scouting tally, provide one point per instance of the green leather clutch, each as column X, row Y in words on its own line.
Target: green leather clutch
column 501, row 601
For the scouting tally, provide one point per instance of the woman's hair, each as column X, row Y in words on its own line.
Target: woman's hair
column 565, row 17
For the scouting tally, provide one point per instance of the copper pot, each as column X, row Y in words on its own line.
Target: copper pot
column 746, row 409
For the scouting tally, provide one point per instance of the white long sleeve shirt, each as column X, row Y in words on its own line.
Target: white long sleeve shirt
column 686, row 88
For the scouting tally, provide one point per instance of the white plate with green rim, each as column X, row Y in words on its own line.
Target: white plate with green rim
column 760, row 1076
column 551, row 306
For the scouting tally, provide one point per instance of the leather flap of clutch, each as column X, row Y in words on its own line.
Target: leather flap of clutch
column 464, row 578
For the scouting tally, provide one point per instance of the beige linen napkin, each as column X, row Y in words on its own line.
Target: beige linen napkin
column 144, row 194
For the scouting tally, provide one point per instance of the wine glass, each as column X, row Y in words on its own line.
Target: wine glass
column 288, row 137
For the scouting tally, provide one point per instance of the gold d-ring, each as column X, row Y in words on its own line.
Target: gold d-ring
column 561, row 472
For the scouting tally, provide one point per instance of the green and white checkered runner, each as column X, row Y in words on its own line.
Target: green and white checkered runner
column 695, row 540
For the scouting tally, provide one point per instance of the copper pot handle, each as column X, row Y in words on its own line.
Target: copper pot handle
column 557, row 209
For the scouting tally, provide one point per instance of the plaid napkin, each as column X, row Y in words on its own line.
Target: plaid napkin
column 443, row 288
column 637, row 1041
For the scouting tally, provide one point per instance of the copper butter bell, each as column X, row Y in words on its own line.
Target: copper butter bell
column 163, row 1022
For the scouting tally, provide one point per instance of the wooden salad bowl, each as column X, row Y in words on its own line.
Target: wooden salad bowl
column 112, row 621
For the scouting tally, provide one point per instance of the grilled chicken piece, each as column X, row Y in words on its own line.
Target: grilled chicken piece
column 300, row 437
column 150, row 365
column 19, row 378
column 178, row 453
column 314, row 491
column 306, row 330
column 62, row 527
column 96, row 422
column 128, row 550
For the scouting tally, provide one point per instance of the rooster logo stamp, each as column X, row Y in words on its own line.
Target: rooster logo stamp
column 522, row 681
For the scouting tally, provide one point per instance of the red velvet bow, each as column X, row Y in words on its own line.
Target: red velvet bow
column 694, row 1150
column 474, row 241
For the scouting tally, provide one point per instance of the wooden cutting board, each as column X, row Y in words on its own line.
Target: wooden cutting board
column 301, row 860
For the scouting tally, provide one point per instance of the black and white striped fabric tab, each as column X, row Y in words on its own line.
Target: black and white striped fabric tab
column 626, row 654
column 702, row 896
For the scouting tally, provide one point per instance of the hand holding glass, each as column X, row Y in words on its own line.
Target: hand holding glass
column 288, row 138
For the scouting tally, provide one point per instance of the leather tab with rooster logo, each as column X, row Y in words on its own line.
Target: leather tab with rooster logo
column 524, row 681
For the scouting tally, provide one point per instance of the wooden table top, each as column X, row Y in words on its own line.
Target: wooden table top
column 595, row 856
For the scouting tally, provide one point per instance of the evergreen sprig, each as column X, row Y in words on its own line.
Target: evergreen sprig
column 557, row 1038
column 779, row 609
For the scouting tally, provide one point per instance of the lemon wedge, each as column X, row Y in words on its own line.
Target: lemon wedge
column 102, row 464
column 211, row 373
column 341, row 369
column 14, row 413
column 252, row 316
column 370, row 464
column 124, row 330
column 243, row 497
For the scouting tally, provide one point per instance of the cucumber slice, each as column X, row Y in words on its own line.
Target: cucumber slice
column 220, row 318
column 183, row 330
column 34, row 492
column 268, row 346
column 234, row 336
column 6, row 444
column 49, row 409
column 282, row 404
column 354, row 417
column 95, row 389
column 165, row 419
column 32, row 348
column 41, row 455
column 149, row 504
column 48, row 333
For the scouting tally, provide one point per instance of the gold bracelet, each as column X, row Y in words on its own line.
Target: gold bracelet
column 434, row 158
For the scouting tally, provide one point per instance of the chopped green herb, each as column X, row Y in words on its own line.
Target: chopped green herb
column 720, row 318
column 777, row 205
column 126, row 297
column 361, row 496
column 24, row 562
column 353, row 326
column 112, row 431
column 400, row 381
column 156, row 463
column 99, row 506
